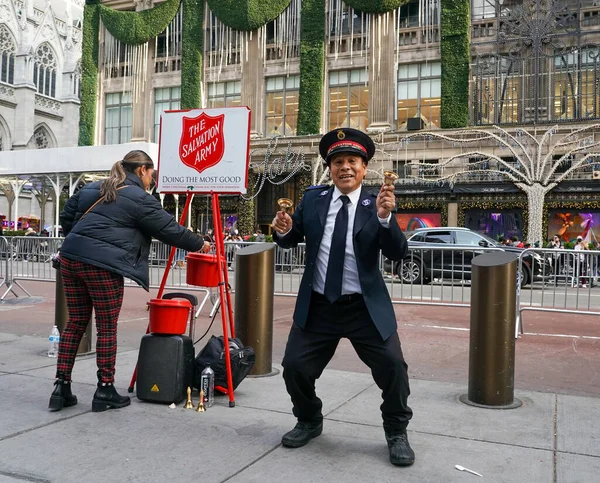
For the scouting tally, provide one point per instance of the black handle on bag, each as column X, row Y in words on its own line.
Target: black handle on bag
column 180, row 295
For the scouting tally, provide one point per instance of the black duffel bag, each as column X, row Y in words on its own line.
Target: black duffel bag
column 242, row 359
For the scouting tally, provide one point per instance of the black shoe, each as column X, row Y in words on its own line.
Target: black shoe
column 107, row 397
column 61, row 396
column 301, row 434
column 401, row 454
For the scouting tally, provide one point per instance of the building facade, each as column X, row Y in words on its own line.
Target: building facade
column 397, row 73
column 40, row 76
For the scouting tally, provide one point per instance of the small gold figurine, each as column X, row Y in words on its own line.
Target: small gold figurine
column 285, row 204
column 389, row 177
column 201, row 408
column 189, row 404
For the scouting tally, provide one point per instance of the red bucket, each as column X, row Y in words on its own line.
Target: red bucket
column 169, row 316
column 202, row 270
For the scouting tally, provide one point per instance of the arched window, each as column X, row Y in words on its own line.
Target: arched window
column 40, row 139
column 7, row 58
column 44, row 70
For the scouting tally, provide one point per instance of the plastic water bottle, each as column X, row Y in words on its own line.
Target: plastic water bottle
column 207, row 384
column 53, row 341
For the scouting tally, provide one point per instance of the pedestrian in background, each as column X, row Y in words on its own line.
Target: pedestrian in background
column 581, row 263
column 109, row 226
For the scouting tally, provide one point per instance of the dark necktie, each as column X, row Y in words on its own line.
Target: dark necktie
column 337, row 251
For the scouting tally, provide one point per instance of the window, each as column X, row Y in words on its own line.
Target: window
column 117, row 123
column 165, row 99
column 282, row 105
column 346, row 20
column 348, row 99
column 439, row 237
column 40, row 139
column 168, row 42
column 225, row 94
column 419, row 91
column 467, row 238
column 44, row 70
column 481, row 9
column 576, row 80
column 409, row 15
column 7, row 59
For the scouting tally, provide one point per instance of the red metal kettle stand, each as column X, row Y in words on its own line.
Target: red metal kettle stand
column 222, row 281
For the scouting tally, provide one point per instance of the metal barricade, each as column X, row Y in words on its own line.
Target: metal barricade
column 4, row 261
column 569, row 282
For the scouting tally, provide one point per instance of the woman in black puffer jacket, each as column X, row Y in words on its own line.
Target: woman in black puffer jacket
column 108, row 226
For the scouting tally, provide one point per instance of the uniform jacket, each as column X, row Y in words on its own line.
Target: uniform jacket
column 369, row 238
column 116, row 236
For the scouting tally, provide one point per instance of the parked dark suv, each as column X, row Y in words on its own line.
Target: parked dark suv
column 427, row 257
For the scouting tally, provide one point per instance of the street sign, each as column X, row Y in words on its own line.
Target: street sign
column 204, row 151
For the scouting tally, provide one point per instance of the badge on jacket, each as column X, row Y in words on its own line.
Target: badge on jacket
column 366, row 202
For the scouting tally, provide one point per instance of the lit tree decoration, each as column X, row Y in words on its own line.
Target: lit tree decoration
column 535, row 169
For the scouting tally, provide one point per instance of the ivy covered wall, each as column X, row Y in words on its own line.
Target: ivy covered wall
column 139, row 27
column 455, row 55
column 375, row 6
column 89, row 73
column 312, row 66
column 193, row 47
column 247, row 14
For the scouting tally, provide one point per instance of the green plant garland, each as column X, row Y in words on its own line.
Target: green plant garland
column 246, row 209
column 247, row 14
column 192, row 48
column 312, row 67
column 89, row 73
column 138, row 27
column 455, row 53
column 375, row 6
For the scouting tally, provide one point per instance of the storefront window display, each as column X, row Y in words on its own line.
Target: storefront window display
column 496, row 223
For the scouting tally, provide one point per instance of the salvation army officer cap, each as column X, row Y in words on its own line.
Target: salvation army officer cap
column 346, row 140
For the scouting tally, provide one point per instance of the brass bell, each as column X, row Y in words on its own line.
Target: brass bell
column 189, row 404
column 201, row 408
column 285, row 204
column 389, row 177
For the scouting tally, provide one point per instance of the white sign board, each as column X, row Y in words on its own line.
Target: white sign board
column 204, row 151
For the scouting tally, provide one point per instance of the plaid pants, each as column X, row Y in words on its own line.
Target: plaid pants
column 87, row 287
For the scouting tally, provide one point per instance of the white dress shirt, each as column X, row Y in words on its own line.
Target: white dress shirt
column 350, row 281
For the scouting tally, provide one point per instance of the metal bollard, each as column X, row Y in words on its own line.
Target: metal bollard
column 61, row 315
column 254, row 289
column 492, row 329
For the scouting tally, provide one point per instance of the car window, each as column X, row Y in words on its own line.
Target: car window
column 438, row 237
column 418, row 237
column 467, row 238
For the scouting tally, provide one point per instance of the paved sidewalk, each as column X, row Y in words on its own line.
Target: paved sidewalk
column 552, row 438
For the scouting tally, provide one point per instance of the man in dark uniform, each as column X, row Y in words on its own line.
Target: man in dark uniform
column 342, row 293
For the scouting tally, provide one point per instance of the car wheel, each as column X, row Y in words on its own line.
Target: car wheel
column 523, row 278
column 410, row 270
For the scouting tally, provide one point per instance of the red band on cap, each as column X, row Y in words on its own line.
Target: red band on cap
column 347, row 144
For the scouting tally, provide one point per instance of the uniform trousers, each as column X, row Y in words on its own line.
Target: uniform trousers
column 88, row 287
column 310, row 349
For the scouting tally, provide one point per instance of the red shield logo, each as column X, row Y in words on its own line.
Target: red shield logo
column 202, row 143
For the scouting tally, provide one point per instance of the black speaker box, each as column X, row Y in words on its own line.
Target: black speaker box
column 165, row 368
column 414, row 124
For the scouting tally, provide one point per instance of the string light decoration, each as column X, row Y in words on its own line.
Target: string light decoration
column 276, row 167
column 538, row 162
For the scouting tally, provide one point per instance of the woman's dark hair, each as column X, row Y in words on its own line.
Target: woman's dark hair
column 131, row 161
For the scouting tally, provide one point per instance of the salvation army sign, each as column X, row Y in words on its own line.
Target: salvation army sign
column 204, row 150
